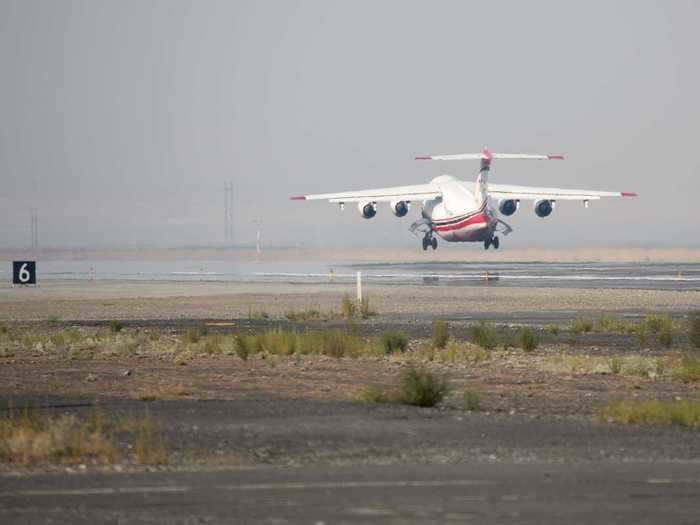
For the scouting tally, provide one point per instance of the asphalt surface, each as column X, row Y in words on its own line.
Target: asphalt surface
column 482, row 493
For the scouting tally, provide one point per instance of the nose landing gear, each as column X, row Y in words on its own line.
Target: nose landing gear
column 492, row 241
column 429, row 240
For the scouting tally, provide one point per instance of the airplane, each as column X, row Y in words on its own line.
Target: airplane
column 459, row 211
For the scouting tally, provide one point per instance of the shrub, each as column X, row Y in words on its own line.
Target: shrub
column 347, row 307
column 656, row 323
column 58, row 339
column 484, row 335
column 242, row 347
column 552, row 329
column 212, row 344
column 311, row 314
column 472, row 400
column 688, row 371
column 528, row 339
column 694, row 330
column 394, row 341
column 422, row 388
column 508, row 341
column 258, row 315
column 440, row 333
column 337, row 344
column 615, row 365
column 116, row 326
column 463, row 352
column 611, row 323
column 581, row 324
column 666, row 335
column 194, row 334
column 642, row 334
column 365, row 310
column 372, row 394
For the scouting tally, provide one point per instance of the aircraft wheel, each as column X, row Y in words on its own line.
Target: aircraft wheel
column 433, row 243
column 487, row 243
column 425, row 243
column 496, row 243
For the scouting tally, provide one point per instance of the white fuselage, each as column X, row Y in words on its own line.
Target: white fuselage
column 460, row 215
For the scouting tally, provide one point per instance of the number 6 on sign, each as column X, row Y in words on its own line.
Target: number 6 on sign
column 24, row 272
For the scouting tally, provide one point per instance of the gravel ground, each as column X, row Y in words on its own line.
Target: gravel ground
column 104, row 300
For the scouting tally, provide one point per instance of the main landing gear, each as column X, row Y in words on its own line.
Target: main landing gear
column 429, row 240
column 492, row 241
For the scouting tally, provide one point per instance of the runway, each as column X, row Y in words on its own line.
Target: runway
column 636, row 493
column 620, row 275
column 649, row 276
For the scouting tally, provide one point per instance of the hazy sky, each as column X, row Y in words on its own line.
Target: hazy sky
column 121, row 120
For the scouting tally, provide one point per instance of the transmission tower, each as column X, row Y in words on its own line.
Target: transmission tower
column 228, row 212
column 34, row 214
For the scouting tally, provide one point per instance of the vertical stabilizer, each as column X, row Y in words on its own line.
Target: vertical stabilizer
column 482, row 180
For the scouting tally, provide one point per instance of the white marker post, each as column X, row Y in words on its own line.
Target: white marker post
column 359, row 288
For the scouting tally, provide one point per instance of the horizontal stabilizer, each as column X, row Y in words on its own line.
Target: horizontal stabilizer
column 486, row 155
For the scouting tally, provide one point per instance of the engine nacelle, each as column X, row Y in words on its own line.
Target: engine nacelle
column 367, row 209
column 399, row 208
column 544, row 208
column 508, row 207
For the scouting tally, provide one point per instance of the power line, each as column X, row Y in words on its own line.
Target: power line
column 228, row 211
column 34, row 215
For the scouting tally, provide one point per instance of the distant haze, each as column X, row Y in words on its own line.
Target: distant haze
column 120, row 121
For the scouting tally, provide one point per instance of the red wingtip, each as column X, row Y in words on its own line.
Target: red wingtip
column 424, row 158
column 297, row 198
column 628, row 194
column 555, row 157
column 486, row 154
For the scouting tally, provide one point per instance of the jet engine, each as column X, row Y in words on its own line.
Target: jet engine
column 544, row 208
column 508, row 207
column 399, row 208
column 367, row 209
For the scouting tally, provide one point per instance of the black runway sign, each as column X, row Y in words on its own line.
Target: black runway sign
column 24, row 272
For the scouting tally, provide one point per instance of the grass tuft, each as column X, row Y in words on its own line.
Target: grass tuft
column 615, row 365
column 528, row 339
column 694, row 330
column 30, row 439
column 373, row 394
column 347, row 307
column 684, row 413
column 422, row 388
column 440, row 333
column 365, row 309
column 194, row 334
column 149, row 446
column 242, row 347
column 688, row 370
column 552, row 329
column 258, row 315
column 582, row 325
column 472, row 400
column 116, row 326
column 394, row 341
column 484, row 335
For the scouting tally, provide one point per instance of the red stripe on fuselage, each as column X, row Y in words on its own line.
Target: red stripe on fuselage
column 465, row 216
column 480, row 218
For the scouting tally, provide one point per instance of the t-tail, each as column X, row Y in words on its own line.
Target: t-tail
column 485, row 157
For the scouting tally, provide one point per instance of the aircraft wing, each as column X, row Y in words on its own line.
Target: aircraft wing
column 507, row 191
column 417, row 192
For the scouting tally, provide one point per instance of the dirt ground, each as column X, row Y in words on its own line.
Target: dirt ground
column 219, row 410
